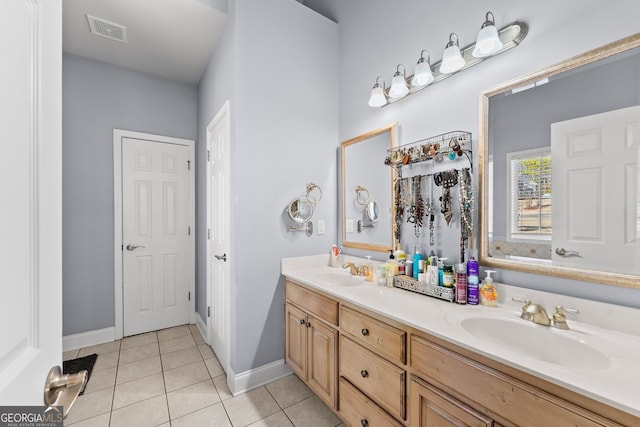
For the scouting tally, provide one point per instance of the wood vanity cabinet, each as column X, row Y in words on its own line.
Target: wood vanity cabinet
column 372, row 357
column 374, row 371
column 433, row 407
column 457, row 390
column 312, row 340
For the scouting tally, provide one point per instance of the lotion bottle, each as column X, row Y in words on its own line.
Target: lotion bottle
column 432, row 272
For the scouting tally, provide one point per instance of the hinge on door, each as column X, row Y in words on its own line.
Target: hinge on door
column 188, row 164
column 208, row 155
column 122, row 247
column 209, row 233
column 189, row 295
column 208, row 311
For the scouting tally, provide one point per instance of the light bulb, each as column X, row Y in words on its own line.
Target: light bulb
column 399, row 86
column 378, row 98
column 423, row 74
column 488, row 41
column 452, row 59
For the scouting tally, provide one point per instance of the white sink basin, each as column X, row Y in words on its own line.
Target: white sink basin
column 559, row 347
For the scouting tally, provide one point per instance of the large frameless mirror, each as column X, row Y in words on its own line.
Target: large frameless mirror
column 366, row 190
column 558, row 169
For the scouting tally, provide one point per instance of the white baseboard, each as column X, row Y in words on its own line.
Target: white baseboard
column 248, row 380
column 202, row 327
column 86, row 339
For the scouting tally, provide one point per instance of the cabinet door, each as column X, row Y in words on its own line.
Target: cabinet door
column 296, row 339
column 321, row 357
column 431, row 407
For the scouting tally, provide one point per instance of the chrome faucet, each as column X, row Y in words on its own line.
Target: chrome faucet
column 537, row 314
column 355, row 270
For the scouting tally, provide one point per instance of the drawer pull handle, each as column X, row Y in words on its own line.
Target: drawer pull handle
column 364, row 373
column 364, row 422
column 365, row 332
column 302, row 321
column 308, row 325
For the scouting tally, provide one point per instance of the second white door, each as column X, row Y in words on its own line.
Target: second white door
column 157, row 235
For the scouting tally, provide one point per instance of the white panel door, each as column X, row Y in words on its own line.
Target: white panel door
column 218, row 268
column 595, row 201
column 31, row 188
column 156, row 235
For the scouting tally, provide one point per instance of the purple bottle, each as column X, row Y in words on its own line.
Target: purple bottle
column 473, row 288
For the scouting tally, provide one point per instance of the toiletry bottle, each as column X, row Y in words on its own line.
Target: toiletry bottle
column 448, row 276
column 472, row 282
column 432, row 272
column 382, row 275
column 461, row 283
column 408, row 268
column 441, row 271
column 392, row 264
column 417, row 256
column 401, row 259
column 488, row 293
column 369, row 267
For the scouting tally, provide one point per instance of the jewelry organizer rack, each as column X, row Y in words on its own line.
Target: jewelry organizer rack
column 444, row 150
column 446, row 160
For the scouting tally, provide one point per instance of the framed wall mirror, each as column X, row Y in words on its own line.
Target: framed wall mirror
column 366, row 191
column 559, row 154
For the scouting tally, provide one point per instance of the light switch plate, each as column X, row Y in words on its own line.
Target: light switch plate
column 321, row 227
column 349, row 226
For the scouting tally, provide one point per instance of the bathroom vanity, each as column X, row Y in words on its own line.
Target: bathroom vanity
column 388, row 357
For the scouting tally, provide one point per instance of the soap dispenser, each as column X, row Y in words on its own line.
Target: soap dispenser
column 488, row 293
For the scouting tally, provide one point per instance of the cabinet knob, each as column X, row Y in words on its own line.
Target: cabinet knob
column 364, row 373
column 308, row 325
column 364, row 422
column 302, row 321
column 365, row 332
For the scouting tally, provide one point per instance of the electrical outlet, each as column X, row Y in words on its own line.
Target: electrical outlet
column 349, row 226
column 321, row 227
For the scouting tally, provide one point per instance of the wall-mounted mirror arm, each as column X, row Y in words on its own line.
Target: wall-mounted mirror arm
column 308, row 228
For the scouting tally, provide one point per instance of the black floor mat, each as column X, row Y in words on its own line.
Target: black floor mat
column 80, row 364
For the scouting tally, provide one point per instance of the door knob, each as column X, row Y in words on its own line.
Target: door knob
column 131, row 247
column 222, row 257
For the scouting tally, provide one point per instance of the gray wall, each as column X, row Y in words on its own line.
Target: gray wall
column 373, row 41
column 96, row 98
column 278, row 64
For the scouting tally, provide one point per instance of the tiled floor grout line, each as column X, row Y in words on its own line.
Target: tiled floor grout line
column 163, row 359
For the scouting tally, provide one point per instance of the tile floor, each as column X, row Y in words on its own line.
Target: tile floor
column 172, row 378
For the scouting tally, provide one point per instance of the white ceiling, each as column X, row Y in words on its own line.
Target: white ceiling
column 168, row 38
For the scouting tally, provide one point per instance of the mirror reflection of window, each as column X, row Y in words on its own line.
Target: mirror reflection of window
column 530, row 194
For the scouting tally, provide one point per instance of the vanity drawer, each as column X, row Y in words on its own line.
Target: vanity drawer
column 356, row 409
column 380, row 337
column 378, row 378
column 316, row 304
column 501, row 394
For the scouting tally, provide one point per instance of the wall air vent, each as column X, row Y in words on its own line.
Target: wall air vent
column 110, row 30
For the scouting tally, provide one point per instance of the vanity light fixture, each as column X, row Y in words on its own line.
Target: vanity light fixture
column 423, row 74
column 378, row 98
column 452, row 59
column 399, row 86
column 488, row 41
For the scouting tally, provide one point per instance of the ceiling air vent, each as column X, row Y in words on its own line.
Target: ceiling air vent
column 107, row 29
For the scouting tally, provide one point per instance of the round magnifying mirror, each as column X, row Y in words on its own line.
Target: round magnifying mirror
column 300, row 210
column 372, row 211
